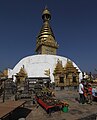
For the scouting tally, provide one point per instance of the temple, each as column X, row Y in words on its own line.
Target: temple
column 46, row 65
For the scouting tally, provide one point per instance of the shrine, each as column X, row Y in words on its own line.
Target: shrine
column 46, row 65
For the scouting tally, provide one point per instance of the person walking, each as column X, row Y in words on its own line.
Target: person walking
column 81, row 92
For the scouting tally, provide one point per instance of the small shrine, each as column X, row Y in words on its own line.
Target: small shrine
column 21, row 76
column 4, row 73
column 66, row 76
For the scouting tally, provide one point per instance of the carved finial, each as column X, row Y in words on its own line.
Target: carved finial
column 46, row 7
column 46, row 16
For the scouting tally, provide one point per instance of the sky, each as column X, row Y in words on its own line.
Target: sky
column 74, row 23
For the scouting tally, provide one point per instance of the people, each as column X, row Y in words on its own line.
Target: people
column 89, row 93
column 81, row 92
column 86, row 92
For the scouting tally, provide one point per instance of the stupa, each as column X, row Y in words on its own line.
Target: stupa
column 46, row 64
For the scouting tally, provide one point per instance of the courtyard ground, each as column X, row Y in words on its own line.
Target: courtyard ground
column 76, row 110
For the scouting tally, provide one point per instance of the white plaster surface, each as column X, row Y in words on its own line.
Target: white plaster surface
column 35, row 65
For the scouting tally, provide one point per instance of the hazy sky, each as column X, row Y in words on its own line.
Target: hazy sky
column 74, row 23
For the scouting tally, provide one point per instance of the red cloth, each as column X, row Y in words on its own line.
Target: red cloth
column 90, row 90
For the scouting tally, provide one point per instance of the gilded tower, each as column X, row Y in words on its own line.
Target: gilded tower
column 46, row 43
column 67, row 75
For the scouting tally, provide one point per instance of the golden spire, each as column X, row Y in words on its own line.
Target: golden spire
column 70, row 67
column 59, row 67
column 22, row 72
column 46, row 36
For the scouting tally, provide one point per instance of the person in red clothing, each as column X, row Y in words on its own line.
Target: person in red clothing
column 89, row 93
column 86, row 93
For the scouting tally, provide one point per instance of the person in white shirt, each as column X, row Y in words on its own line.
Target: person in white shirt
column 81, row 92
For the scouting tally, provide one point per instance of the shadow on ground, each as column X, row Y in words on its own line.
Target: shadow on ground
column 90, row 117
column 18, row 113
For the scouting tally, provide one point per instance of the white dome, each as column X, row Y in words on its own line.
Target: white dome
column 36, row 65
